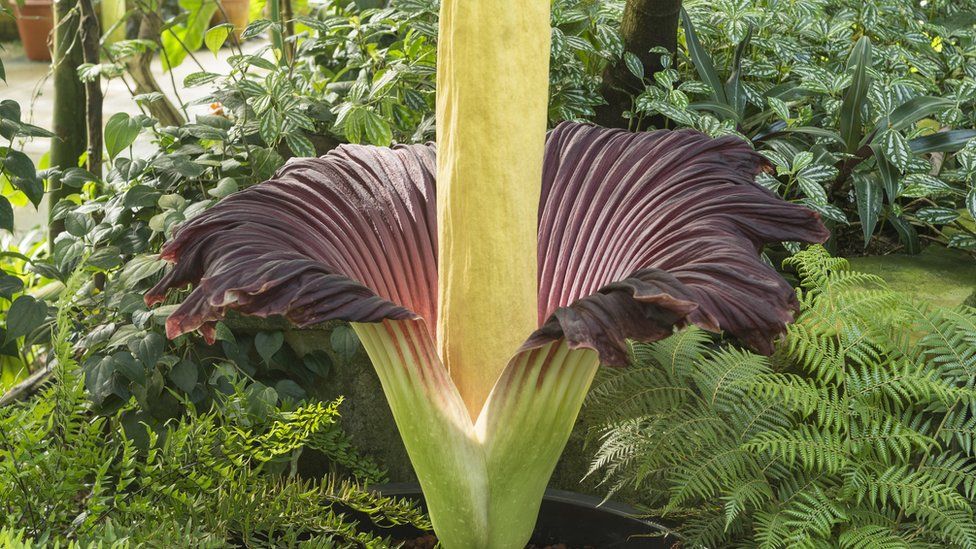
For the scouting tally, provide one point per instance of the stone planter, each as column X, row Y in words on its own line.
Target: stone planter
column 35, row 21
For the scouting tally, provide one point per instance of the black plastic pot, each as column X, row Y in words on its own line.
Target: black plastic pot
column 573, row 519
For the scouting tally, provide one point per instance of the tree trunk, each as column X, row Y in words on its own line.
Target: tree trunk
column 140, row 69
column 646, row 24
column 90, row 34
column 69, row 92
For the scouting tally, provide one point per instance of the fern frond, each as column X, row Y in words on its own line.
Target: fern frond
column 870, row 536
column 812, row 449
column 674, row 354
column 723, row 377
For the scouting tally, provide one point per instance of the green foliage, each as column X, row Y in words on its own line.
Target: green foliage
column 857, row 105
column 209, row 479
column 23, row 317
column 857, row 432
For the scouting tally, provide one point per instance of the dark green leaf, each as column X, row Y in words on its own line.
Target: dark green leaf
column 6, row 214
column 868, row 193
column 318, row 362
column 121, row 131
column 703, row 61
column 141, row 196
column 32, row 187
column 268, row 343
column 24, row 316
column 99, row 373
column 184, row 375
column 10, row 285
column 914, row 110
column 289, row 390
column 937, row 216
column 149, row 348
column 949, row 141
column 850, row 111
column 906, row 234
column 17, row 163
column 344, row 342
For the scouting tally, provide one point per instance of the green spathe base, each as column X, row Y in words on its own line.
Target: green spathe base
column 483, row 478
column 940, row 276
column 367, row 418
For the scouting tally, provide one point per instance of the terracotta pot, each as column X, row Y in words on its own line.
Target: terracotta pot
column 35, row 21
column 238, row 14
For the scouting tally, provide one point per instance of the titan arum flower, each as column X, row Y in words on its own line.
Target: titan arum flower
column 488, row 281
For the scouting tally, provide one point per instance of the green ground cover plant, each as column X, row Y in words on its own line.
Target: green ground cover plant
column 857, row 432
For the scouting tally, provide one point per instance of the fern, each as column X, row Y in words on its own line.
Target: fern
column 858, row 432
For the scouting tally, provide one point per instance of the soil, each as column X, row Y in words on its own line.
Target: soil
column 430, row 541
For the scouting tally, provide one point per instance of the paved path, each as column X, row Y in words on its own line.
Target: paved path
column 29, row 84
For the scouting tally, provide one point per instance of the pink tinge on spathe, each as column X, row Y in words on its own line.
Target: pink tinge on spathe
column 639, row 233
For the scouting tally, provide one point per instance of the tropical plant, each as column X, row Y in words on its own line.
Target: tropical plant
column 857, row 105
column 857, row 432
column 22, row 315
column 629, row 235
column 213, row 478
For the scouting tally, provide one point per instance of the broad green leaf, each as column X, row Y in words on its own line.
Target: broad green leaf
column 225, row 187
column 634, row 65
column 215, row 37
column 24, row 316
column 78, row 223
column 868, row 193
column 344, row 342
column 318, row 362
column 268, row 343
column 270, row 127
column 850, row 111
column 896, row 149
column 918, row 185
column 378, row 131
column 703, row 61
column 187, row 35
column 140, row 268
column 149, row 348
column 184, row 375
column 17, row 163
column 141, row 196
column 10, row 285
column 121, row 131
column 937, row 216
column 33, row 188
column 971, row 202
column 99, row 377
column 300, row 145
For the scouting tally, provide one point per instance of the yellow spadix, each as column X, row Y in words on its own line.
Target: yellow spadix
column 492, row 94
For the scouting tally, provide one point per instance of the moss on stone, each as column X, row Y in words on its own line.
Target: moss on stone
column 938, row 275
